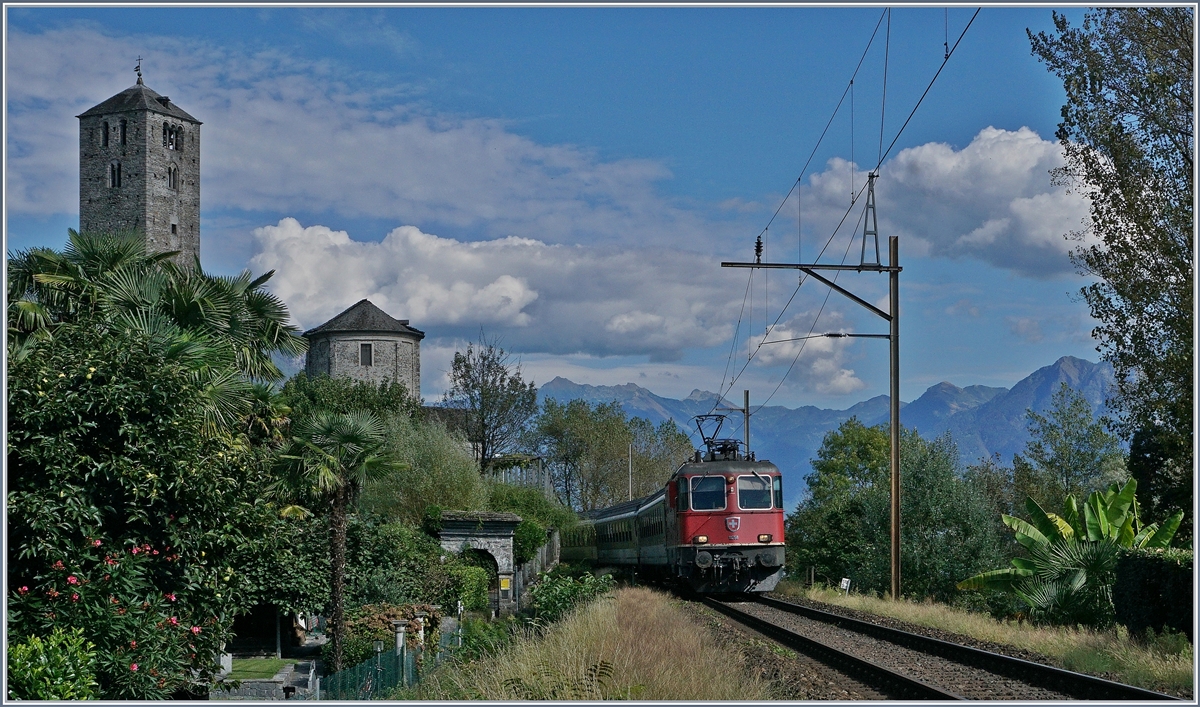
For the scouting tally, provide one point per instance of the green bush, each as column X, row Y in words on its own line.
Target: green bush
column 1153, row 590
column 472, row 583
column 555, row 596
column 528, row 537
column 60, row 667
column 529, row 503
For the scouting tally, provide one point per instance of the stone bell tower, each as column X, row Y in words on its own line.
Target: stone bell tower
column 139, row 170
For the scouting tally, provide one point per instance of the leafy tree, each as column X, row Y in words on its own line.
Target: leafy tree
column 587, row 448
column 439, row 469
column 1068, row 576
column 1127, row 135
column 487, row 384
column 1069, row 452
column 843, row 527
column 828, row 530
column 1165, row 484
column 121, row 513
column 332, row 456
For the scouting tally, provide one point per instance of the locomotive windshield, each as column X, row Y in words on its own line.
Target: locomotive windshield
column 754, row 492
column 708, row 493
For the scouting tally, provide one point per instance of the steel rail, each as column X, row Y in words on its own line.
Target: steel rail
column 1078, row 685
column 895, row 684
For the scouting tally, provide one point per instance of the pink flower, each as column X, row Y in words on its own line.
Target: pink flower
column 195, row 629
column 72, row 580
column 95, row 543
column 23, row 590
column 173, row 621
column 155, row 552
column 133, row 644
column 58, row 565
column 74, row 597
column 52, row 593
column 170, row 597
column 133, row 667
column 134, row 550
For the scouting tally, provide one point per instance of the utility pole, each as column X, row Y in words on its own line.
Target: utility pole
column 631, row 471
column 892, row 316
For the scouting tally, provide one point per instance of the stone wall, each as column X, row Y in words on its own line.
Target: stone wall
column 393, row 358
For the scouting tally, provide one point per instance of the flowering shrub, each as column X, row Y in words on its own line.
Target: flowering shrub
column 146, row 640
column 122, row 515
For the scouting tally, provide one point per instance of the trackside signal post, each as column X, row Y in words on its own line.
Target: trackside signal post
column 892, row 316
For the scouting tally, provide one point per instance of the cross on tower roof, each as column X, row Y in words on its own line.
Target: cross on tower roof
column 138, row 69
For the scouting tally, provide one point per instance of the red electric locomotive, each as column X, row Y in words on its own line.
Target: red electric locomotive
column 716, row 526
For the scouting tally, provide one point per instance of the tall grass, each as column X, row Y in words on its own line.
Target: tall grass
column 1163, row 663
column 632, row 644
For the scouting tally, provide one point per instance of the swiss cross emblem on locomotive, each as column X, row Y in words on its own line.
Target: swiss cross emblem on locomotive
column 732, row 523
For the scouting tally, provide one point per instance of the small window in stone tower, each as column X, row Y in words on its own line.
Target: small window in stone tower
column 364, row 354
column 104, row 135
column 124, row 133
column 164, row 135
column 114, row 174
column 172, row 177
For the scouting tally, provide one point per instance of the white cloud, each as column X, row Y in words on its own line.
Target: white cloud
column 543, row 298
column 1028, row 329
column 288, row 135
column 990, row 200
column 547, row 298
column 820, row 362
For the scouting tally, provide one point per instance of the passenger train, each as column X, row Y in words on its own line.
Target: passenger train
column 716, row 526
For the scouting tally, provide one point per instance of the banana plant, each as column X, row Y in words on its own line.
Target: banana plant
column 1072, row 556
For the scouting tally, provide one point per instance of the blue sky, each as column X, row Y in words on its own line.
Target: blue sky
column 569, row 179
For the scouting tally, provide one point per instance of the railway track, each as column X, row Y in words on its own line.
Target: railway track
column 909, row 666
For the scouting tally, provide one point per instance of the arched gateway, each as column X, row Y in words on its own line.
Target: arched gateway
column 491, row 533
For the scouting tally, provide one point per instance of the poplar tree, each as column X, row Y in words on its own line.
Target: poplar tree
column 1127, row 136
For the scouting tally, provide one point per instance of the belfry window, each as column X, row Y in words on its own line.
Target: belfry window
column 124, row 133
column 104, row 135
column 364, row 355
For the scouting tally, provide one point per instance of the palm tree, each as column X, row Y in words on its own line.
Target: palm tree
column 223, row 330
column 333, row 455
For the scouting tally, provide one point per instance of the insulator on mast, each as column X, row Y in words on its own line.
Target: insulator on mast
column 758, row 249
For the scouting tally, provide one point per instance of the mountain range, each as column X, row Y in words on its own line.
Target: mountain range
column 982, row 420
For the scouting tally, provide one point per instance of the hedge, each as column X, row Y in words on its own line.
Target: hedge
column 1153, row 589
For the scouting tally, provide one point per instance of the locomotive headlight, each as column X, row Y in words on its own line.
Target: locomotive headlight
column 764, row 538
column 700, row 539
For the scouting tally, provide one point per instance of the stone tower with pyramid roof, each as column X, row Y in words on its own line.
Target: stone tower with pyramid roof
column 365, row 343
column 139, row 170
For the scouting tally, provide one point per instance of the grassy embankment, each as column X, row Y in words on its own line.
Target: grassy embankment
column 1162, row 664
column 630, row 644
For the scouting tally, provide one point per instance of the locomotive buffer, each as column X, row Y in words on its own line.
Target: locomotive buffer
column 892, row 316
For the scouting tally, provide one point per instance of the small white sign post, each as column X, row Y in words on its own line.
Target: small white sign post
column 846, row 585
